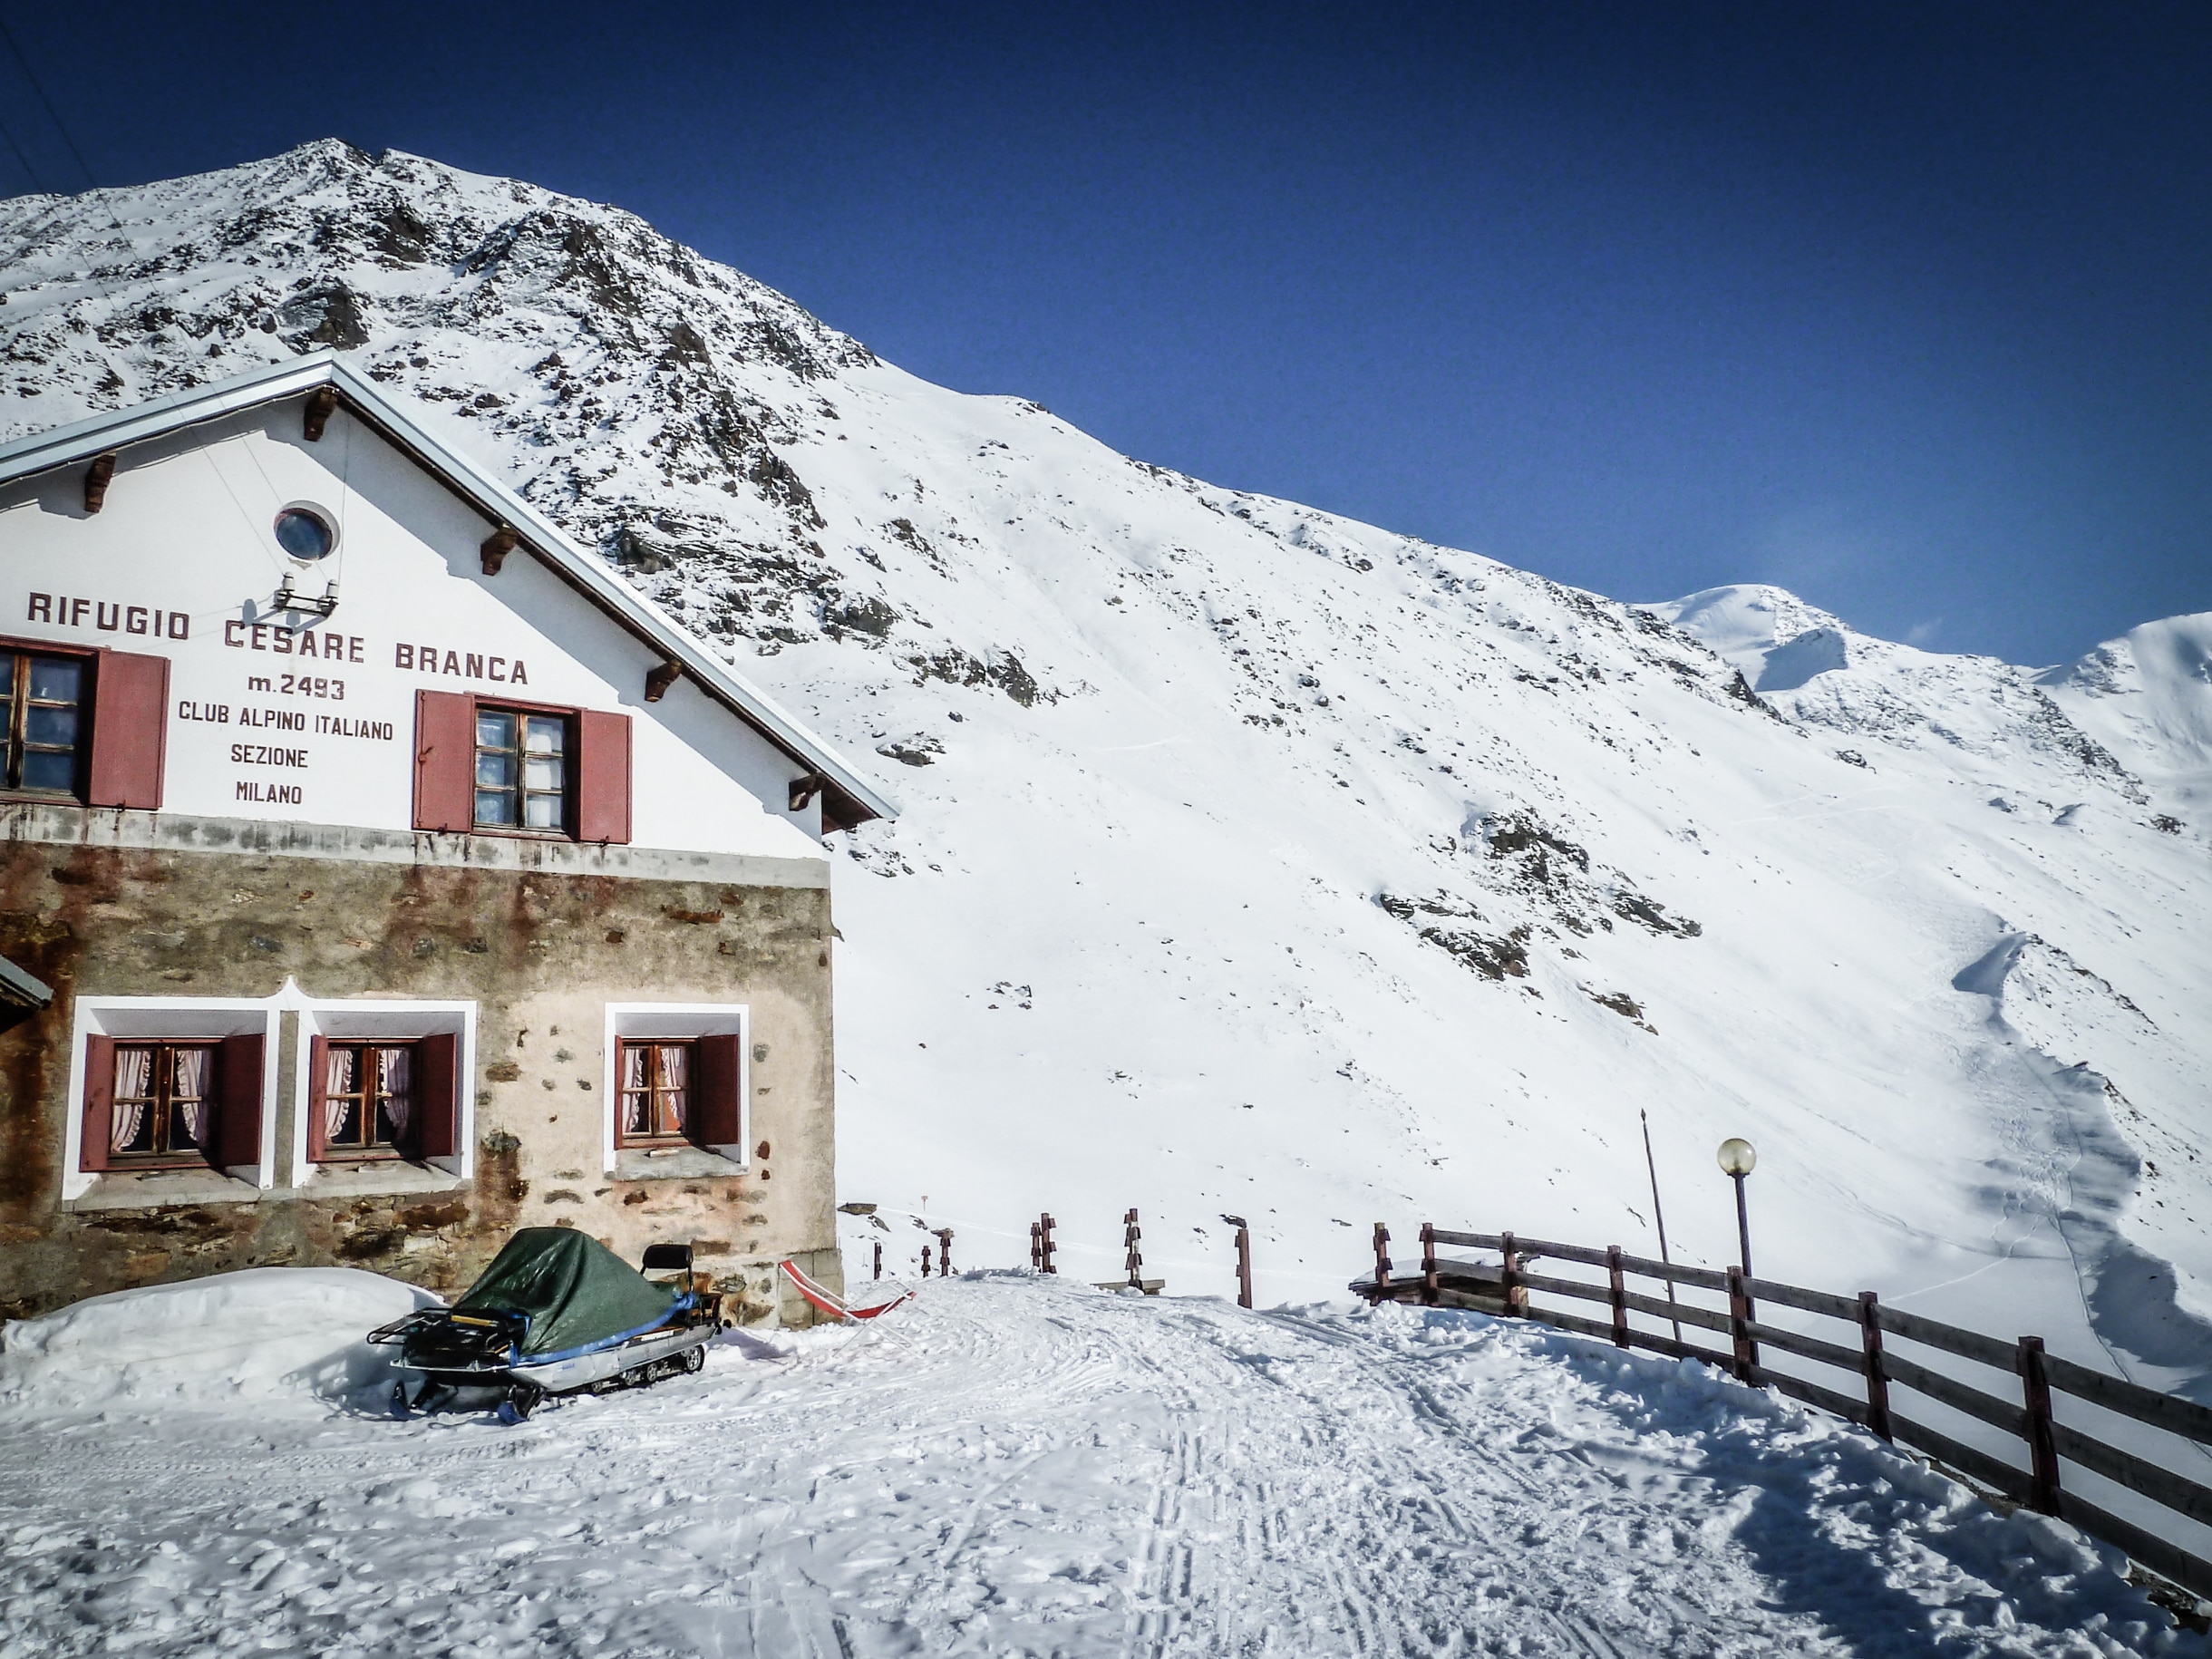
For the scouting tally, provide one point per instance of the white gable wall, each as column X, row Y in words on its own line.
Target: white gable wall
column 187, row 529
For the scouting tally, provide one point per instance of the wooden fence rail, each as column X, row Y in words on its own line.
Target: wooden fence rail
column 1504, row 1288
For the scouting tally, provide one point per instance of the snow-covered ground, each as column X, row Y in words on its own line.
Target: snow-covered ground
column 1258, row 861
column 1010, row 1466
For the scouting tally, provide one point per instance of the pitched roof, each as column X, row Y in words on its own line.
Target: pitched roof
column 848, row 797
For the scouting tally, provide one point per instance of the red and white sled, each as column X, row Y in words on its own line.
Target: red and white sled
column 835, row 1305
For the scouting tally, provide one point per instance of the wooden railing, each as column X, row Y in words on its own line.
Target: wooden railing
column 1867, row 1355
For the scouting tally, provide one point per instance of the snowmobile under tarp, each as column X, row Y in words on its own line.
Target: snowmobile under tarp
column 556, row 1313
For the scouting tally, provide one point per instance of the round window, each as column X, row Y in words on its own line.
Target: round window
column 305, row 533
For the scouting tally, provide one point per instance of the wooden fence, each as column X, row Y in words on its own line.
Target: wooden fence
column 1867, row 1355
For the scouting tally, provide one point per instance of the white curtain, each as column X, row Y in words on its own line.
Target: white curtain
column 636, row 1092
column 189, row 1089
column 133, row 1078
column 338, row 1082
column 673, row 1056
column 393, row 1083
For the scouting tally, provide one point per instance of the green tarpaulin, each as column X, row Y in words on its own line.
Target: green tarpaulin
column 574, row 1288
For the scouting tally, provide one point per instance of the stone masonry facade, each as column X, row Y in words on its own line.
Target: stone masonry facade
column 541, row 940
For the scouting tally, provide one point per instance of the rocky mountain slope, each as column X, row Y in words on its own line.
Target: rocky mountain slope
column 1258, row 861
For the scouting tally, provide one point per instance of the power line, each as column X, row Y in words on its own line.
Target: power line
column 53, row 114
column 37, row 183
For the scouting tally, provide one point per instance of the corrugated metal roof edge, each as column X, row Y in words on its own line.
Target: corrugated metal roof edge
column 23, row 989
column 81, row 441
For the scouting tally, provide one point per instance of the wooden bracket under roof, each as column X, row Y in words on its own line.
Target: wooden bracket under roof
column 321, row 405
column 96, row 477
column 658, row 680
column 496, row 547
column 804, row 790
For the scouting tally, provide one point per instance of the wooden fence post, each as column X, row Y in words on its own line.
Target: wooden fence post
column 1382, row 1259
column 924, row 1258
column 945, row 1252
column 1508, row 1277
column 1428, row 1263
column 1740, row 1325
column 1244, row 1266
column 879, row 1258
column 1036, row 1253
column 2042, row 1450
column 1044, row 1226
column 1878, row 1380
column 1132, row 1235
column 1617, row 1282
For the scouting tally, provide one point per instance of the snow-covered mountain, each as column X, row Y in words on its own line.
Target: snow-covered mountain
column 1258, row 861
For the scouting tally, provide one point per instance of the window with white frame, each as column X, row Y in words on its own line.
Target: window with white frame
column 677, row 1076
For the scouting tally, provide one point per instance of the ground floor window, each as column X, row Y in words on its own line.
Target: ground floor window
column 655, row 1092
column 161, row 1105
column 368, row 1099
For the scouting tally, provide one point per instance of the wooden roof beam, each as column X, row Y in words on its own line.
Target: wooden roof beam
column 96, row 477
column 496, row 547
column 321, row 405
column 659, row 680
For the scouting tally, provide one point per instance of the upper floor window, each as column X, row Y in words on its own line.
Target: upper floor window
column 163, row 1094
column 45, row 699
column 521, row 769
column 501, row 768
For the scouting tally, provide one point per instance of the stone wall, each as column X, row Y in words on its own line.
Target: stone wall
column 540, row 937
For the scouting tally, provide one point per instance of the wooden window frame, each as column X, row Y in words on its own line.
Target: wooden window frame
column 571, row 720
column 371, row 1098
column 13, row 740
column 655, row 1089
column 161, row 1102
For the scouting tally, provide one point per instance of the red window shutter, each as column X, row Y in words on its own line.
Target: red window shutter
column 99, row 1103
column 603, row 777
column 318, row 1099
column 437, row 1102
column 718, row 1091
column 129, row 713
column 238, row 1111
column 445, row 761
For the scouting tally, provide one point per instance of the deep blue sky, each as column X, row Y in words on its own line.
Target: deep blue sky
column 1908, row 309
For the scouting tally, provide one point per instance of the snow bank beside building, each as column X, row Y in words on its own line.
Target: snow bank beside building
column 266, row 1334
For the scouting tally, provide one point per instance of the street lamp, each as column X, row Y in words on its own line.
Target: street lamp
column 1738, row 1159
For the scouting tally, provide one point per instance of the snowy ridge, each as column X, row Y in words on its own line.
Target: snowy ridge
column 1255, row 860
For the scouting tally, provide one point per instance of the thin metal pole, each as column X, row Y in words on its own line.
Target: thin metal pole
column 1743, row 1245
column 1743, row 1230
column 1659, row 1215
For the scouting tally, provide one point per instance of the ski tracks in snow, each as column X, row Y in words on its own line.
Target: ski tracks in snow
column 1031, row 1467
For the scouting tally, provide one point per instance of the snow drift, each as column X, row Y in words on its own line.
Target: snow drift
column 267, row 1336
column 1014, row 1465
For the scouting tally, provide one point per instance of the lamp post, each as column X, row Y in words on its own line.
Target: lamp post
column 1738, row 1159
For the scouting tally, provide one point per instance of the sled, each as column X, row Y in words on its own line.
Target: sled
column 556, row 1313
column 835, row 1305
